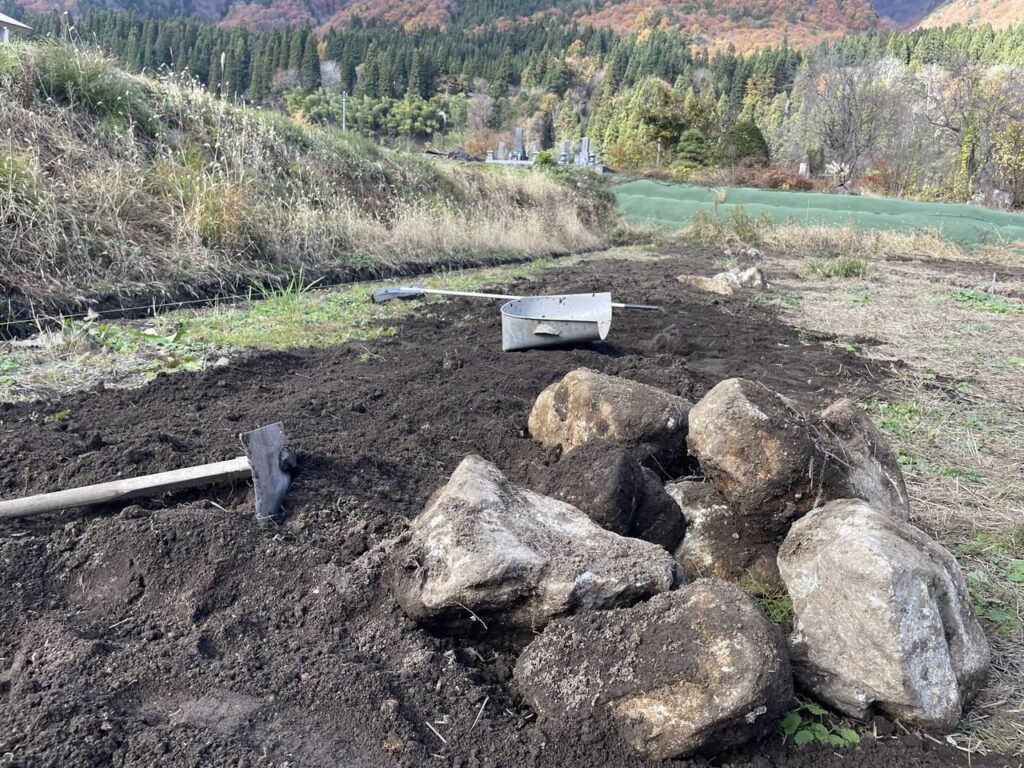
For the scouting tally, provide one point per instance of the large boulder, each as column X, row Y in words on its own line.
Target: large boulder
column 883, row 619
column 767, row 458
column 604, row 480
column 587, row 405
column 721, row 543
column 860, row 464
column 757, row 450
column 485, row 552
column 696, row 670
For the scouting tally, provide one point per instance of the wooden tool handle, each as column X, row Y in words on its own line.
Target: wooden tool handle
column 115, row 490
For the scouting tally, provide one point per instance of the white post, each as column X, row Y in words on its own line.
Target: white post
column 5, row 36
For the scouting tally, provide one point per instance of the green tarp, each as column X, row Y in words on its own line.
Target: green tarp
column 673, row 205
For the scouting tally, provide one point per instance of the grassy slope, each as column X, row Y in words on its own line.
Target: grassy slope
column 115, row 184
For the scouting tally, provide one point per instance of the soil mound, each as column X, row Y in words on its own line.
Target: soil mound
column 182, row 634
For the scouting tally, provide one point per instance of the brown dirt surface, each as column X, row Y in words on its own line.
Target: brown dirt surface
column 179, row 633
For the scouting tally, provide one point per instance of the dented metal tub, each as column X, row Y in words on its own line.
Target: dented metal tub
column 548, row 321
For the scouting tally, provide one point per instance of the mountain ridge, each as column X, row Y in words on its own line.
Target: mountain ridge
column 745, row 24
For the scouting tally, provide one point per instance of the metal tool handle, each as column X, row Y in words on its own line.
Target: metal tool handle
column 635, row 306
column 411, row 292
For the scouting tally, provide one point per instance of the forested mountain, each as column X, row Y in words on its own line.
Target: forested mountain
column 744, row 23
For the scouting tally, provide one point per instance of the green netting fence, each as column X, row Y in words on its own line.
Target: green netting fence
column 673, row 205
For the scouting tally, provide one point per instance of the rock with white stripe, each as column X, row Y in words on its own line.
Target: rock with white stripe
column 721, row 543
column 883, row 619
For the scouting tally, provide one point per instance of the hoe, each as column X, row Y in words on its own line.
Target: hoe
column 266, row 461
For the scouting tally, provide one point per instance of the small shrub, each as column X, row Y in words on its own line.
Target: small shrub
column 810, row 722
column 743, row 143
column 545, row 159
column 89, row 80
column 988, row 302
column 844, row 266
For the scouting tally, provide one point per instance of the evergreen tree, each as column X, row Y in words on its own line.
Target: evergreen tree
column 692, row 149
column 744, row 142
column 568, row 124
column 309, row 71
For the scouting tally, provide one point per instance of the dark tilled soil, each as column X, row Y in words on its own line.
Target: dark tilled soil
column 179, row 633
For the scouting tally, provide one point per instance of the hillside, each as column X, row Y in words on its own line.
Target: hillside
column 998, row 13
column 745, row 23
column 123, row 185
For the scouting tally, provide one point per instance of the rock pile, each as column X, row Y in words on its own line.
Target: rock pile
column 811, row 504
column 768, row 465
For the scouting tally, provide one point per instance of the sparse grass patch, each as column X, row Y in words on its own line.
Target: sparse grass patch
column 988, row 302
column 844, row 266
column 828, row 244
column 778, row 607
column 295, row 314
column 952, row 409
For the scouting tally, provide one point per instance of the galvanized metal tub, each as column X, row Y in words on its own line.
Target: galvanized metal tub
column 548, row 321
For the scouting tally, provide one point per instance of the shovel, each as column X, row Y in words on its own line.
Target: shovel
column 529, row 322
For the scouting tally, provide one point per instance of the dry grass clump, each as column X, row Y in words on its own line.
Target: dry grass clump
column 738, row 229
column 117, row 183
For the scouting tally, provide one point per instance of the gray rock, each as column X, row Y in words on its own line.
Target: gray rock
column 752, row 277
column 587, row 405
column 722, row 543
column 764, row 456
column 709, row 284
column 884, row 622
column 770, row 465
column 757, row 450
column 696, row 670
column 860, row 464
column 485, row 551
